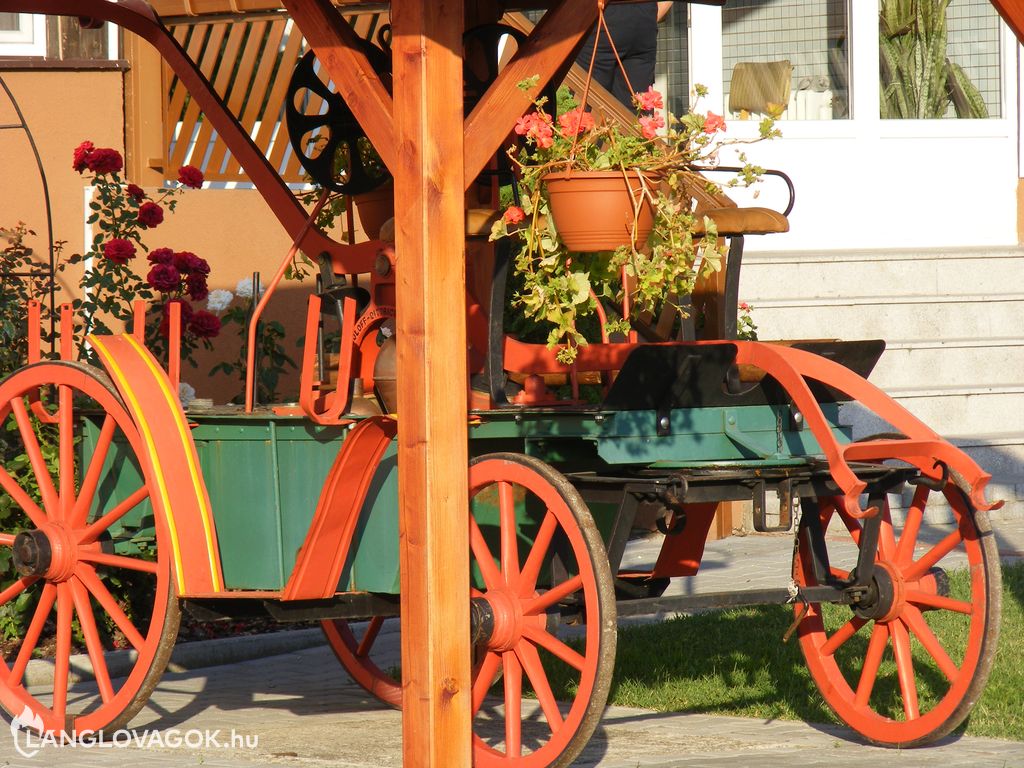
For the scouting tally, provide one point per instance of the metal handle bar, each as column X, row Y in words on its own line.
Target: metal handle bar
column 769, row 172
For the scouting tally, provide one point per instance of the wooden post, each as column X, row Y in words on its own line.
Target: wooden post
column 144, row 113
column 433, row 382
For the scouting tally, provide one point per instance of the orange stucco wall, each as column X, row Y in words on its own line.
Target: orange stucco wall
column 232, row 229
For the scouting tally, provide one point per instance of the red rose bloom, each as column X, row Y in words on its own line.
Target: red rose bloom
column 161, row 256
column 104, row 161
column 204, row 324
column 190, row 176
column 136, row 193
column 186, row 262
column 165, row 321
column 119, row 250
column 164, row 278
column 513, row 215
column 80, row 157
column 196, row 286
column 150, row 214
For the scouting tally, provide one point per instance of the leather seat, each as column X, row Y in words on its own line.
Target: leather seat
column 744, row 221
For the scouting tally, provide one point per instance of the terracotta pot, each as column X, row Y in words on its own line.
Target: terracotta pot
column 594, row 210
column 374, row 208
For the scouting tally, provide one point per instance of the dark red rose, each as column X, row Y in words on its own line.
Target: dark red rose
column 196, row 286
column 164, row 277
column 150, row 214
column 204, row 324
column 165, row 321
column 136, row 193
column 104, row 161
column 186, row 262
column 190, row 176
column 80, row 157
column 201, row 266
column 161, row 256
column 119, row 250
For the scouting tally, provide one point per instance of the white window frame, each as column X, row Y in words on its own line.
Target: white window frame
column 28, row 40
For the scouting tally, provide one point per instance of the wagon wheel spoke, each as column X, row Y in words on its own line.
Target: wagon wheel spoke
column 538, row 554
column 534, row 669
column 484, row 678
column 22, row 499
column 66, row 450
column 119, row 561
column 16, row 589
column 513, row 684
column 372, row 630
column 91, row 478
column 555, row 646
column 509, row 534
column 103, row 523
column 484, row 559
column 929, row 600
column 553, row 596
column 62, row 656
column 31, row 639
column 96, row 587
column 905, row 668
column 93, row 644
column 912, row 526
column 915, row 623
column 931, row 558
column 872, row 661
column 35, row 454
column 844, row 633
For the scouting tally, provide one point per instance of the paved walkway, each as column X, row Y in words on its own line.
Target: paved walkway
column 301, row 710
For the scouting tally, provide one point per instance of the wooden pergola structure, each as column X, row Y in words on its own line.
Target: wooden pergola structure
column 434, row 153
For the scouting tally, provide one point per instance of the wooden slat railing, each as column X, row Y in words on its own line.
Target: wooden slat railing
column 249, row 62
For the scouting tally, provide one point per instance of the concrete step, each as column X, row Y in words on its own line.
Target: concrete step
column 769, row 276
column 950, row 362
column 950, row 410
column 972, row 316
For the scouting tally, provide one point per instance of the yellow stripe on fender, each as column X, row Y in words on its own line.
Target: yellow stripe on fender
column 173, row 462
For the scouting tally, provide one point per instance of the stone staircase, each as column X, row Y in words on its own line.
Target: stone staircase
column 953, row 321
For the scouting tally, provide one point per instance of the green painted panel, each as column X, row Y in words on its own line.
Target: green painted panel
column 373, row 561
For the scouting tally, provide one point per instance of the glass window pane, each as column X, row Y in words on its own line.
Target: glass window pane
column 8, row 22
column 672, row 73
column 789, row 55
column 965, row 42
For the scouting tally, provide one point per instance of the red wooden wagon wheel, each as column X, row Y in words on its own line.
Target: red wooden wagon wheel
column 61, row 561
column 882, row 667
column 536, row 555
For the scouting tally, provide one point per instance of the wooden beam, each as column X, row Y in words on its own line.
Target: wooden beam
column 1012, row 12
column 432, row 383
column 354, row 78
column 543, row 54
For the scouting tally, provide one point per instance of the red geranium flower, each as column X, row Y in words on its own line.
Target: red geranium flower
column 104, row 160
column 513, row 215
column 536, row 126
column 80, row 157
column 119, row 250
column 186, row 316
column 649, row 99
column 204, row 324
column 649, row 125
column 574, row 122
column 161, row 256
column 164, row 278
column 714, row 123
column 136, row 193
column 196, row 286
column 150, row 214
column 190, row 176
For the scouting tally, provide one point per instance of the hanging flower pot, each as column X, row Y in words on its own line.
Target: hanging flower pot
column 375, row 207
column 597, row 210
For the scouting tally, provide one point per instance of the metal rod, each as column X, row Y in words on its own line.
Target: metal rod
column 703, row 601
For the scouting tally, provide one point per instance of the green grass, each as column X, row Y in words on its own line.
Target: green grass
column 735, row 663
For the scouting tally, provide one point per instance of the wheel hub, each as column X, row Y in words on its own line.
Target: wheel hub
column 45, row 552
column 885, row 597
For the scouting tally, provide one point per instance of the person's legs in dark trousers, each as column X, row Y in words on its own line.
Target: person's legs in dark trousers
column 634, row 28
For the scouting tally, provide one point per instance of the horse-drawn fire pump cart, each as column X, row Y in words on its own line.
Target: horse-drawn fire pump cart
column 505, row 561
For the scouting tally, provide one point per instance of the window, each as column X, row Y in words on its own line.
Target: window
column 788, row 56
column 964, row 37
column 22, row 34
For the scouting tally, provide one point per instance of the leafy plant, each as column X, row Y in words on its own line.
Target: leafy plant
column 745, row 328
column 561, row 289
column 122, row 213
column 272, row 362
column 918, row 79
